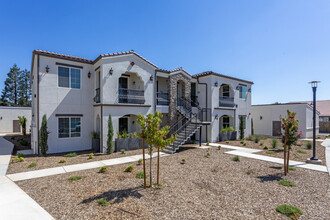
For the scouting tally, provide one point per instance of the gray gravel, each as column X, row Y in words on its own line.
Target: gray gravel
column 203, row 188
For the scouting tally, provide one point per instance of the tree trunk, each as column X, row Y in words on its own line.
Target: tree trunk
column 285, row 159
column 144, row 164
column 287, row 162
column 150, row 166
column 158, row 168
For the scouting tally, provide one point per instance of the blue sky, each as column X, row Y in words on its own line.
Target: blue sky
column 279, row 45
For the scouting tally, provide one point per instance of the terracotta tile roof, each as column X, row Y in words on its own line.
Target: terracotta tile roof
column 207, row 73
column 173, row 70
column 83, row 60
column 322, row 106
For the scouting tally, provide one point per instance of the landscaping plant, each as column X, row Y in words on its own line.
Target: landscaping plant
column 290, row 211
column 122, row 151
column 274, row 142
column 207, row 143
column 33, row 164
column 103, row 202
column 44, row 136
column 286, row 183
column 227, row 142
column 143, row 136
column 103, row 169
column 241, row 127
column 140, row 161
column 301, row 151
column 129, row 169
column 91, row 156
column 110, row 147
column 219, row 147
column 74, row 154
column 256, row 139
column 309, row 145
column 183, row 161
column 62, row 161
column 73, row 178
column 236, row 158
column 140, row 175
column 290, row 136
column 22, row 122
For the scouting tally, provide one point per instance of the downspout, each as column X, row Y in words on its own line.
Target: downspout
column 155, row 91
column 205, row 101
column 38, row 62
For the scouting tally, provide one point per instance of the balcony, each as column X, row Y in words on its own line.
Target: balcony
column 225, row 101
column 97, row 97
column 162, row 98
column 131, row 96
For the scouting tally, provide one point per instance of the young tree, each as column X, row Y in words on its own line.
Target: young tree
column 10, row 92
column 44, row 136
column 161, row 142
column 142, row 134
column 110, row 147
column 290, row 136
column 24, row 88
column 22, row 122
column 241, row 127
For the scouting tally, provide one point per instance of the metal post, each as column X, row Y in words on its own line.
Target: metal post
column 200, row 136
column 314, row 124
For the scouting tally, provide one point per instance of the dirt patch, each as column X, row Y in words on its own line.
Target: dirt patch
column 20, row 141
column 53, row 160
column 298, row 152
column 202, row 188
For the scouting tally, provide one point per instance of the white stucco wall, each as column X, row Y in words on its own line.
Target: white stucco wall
column 9, row 114
column 270, row 113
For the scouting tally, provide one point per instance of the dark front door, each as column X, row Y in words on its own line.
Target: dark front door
column 16, row 127
column 123, row 92
column 276, row 128
column 123, row 124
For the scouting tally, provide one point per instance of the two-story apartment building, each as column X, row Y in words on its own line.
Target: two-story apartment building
column 77, row 96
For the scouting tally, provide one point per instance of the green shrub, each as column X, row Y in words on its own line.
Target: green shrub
column 130, row 168
column 257, row 139
column 103, row 169
column 62, row 161
column 290, row 211
column 95, row 135
column 250, row 138
column 227, row 129
column 261, row 144
column 139, row 175
column 24, row 142
column 301, row 151
column 20, row 155
column 274, row 142
column 18, row 159
column 124, row 134
column 244, row 144
column 193, row 141
column 286, row 183
column 236, row 158
column 73, row 178
column 122, row 151
column 70, row 155
column 207, row 143
column 250, row 171
column 102, row 202
column 91, row 156
column 140, row 161
column 242, row 141
column 227, row 142
column 265, row 148
column 131, row 135
column 270, row 152
column 309, row 145
column 207, row 154
column 292, row 168
column 219, row 147
column 183, row 161
column 33, row 164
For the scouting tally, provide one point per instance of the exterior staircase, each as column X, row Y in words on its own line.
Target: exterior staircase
column 187, row 125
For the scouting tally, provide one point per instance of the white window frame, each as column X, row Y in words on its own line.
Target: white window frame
column 239, row 92
column 69, row 77
column 58, row 126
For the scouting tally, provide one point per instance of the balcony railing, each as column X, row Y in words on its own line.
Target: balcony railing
column 131, row 96
column 162, row 98
column 225, row 101
column 97, row 97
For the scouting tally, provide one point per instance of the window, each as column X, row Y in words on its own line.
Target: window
column 244, row 120
column 225, row 122
column 225, row 90
column 69, row 127
column 68, row 77
column 242, row 92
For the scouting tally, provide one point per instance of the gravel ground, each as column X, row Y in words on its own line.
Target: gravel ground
column 203, row 188
column 52, row 160
column 294, row 155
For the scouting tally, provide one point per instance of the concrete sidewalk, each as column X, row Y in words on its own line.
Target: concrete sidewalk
column 326, row 144
column 14, row 202
column 77, row 167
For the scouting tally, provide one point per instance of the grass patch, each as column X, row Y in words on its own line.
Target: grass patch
column 256, row 140
column 301, row 151
column 274, row 142
column 292, row 168
column 74, row 178
column 286, row 183
column 236, row 158
column 130, row 168
column 270, row 152
column 140, row 175
column 103, row 169
column 102, row 202
column 309, row 145
column 74, row 154
column 62, row 161
column 33, row 164
column 140, row 161
column 123, row 151
column 290, row 211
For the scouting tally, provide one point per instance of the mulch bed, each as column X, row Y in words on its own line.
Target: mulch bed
column 203, row 188
column 294, row 155
column 16, row 140
column 52, row 160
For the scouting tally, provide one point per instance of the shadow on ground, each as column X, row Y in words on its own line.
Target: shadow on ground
column 117, row 196
column 270, row 177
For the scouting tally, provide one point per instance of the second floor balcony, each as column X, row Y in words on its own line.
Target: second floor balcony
column 226, row 101
column 131, row 96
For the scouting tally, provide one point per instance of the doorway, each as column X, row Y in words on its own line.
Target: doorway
column 276, row 128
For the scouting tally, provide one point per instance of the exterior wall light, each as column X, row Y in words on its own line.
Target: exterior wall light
column 111, row 71
column 216, row 84
column 133, row 82
column 237, row 87
column 132, row 63
column 216, row 117
column 151, row 78
column 89, row 74
column 47, row 69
